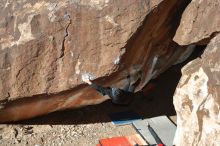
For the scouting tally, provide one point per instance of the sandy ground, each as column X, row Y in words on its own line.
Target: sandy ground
column 85, row 126
column 57, row 135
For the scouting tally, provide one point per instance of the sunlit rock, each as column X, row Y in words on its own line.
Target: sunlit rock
column 197, row 100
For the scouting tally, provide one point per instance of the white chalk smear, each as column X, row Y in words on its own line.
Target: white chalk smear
column 87, row 76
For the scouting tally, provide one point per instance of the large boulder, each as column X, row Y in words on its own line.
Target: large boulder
column 200, row 22
column 47, row 45
column 197, row 101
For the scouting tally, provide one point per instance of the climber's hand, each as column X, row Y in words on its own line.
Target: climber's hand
column 86, row 79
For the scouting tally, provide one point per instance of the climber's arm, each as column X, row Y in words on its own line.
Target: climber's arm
column 102, row 90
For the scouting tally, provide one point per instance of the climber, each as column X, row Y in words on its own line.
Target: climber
column 118, row 96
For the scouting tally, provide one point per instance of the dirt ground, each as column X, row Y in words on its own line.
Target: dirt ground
column 57, row 135
column 85, row 126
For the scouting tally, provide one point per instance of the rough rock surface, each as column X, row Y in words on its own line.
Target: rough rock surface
column 199, row 23
column 46, row 46
column 197, row 101
column 197, row 97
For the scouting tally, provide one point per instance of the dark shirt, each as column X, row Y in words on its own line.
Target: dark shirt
column 117, row 95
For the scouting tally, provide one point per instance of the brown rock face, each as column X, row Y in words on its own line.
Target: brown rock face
column 199, row 23
column 197, row 101
column 46, row 46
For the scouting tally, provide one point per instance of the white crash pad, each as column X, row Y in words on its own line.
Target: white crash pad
column 162, row 126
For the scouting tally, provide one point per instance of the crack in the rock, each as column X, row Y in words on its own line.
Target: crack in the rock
column 61, row 54
column 65, row 36
column 20, row 70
